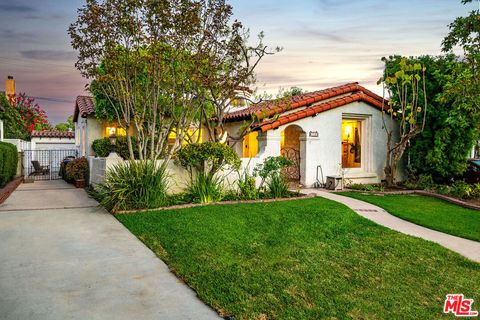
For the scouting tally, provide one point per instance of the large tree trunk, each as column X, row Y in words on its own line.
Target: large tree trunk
column 129, row 143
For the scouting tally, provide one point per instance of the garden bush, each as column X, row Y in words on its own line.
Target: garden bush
column 134, row 185
column 277, row 186
column 8, row 162
column 205, row 188
column 461, row 189
column 246, row 186
column 77, row 169
column 103, row 147
column 203, row 161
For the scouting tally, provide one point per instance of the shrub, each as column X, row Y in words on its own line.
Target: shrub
column 461, row 189
column 367, row 187
column 134, row 185
column 425, row 182
column 246, row 186
column 8, row 162
column 205, row 188
column 476, row 191
column 442, row 189
column 277, row 186
column 270, row 167
column 208, row 157
column 77, row 169
column 103, row 147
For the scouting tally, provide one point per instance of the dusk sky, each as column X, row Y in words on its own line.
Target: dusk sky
column 325, row 42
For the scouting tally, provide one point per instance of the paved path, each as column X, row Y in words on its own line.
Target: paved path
column 61, row 257
column 467, row 248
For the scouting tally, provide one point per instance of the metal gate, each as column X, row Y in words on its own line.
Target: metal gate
column 291, row 173
column 45, row 164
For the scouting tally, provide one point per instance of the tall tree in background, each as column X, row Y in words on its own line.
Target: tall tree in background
column 441, row 148
column 66, row 126
column 162, row 65
column 405, row 110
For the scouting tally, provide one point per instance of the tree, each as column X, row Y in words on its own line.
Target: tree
column 404, row 87
column 441, row 148
column 464, row 85
column 13, row 123
column 66, row 126
column 32, row 115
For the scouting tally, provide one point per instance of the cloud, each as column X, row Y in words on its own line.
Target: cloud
column 16, row 8
column 9, row 35
column 53, row 55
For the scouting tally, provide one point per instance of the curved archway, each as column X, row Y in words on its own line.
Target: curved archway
column 290, row 148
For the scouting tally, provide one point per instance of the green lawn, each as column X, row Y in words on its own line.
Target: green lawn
column 304, row 259
column 428, row 212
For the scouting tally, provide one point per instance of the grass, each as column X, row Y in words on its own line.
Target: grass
column 303, row 259
column 429, row 212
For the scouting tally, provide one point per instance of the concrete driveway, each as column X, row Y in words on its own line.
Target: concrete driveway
column 62, row 257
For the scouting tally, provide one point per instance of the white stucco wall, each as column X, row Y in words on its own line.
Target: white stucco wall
column 326, row 149
column 86, row 131
column 52, row 143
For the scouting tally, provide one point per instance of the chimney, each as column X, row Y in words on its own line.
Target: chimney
column 10, row 86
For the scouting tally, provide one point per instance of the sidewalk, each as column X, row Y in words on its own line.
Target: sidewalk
column 465, row 247
column 62, row 257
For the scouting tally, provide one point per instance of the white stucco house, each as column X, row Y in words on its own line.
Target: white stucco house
column 52, row 140
column 339, row 130
column 87, row 127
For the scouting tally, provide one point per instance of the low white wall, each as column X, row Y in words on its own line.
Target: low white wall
column 178, row 176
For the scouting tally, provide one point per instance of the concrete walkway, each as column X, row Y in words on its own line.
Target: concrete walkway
column 62, row 257
column 465, row 247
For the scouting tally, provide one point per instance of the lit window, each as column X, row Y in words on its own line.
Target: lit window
column 351, row 143
column 114, row 131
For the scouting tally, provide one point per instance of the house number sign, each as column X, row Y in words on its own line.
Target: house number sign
column 313, row 134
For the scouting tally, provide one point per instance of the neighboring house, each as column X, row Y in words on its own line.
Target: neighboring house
column 52, row 140
column 340, row 130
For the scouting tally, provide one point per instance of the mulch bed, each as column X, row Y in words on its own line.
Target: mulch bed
column 6, row 191
column 194, row 205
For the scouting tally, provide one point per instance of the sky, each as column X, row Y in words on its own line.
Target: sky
column 325, row 42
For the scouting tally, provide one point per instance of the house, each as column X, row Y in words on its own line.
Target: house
column 332, row 132
column 88, row 128
column 52, row 140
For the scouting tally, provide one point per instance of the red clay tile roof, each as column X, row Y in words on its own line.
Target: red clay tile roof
column 313, row 110
column 84, row 106
column 269, row 108
column 53, row 134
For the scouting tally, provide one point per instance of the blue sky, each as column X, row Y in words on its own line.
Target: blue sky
column 325, row 42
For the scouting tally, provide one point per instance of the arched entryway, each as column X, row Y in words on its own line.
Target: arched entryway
column 290, row 149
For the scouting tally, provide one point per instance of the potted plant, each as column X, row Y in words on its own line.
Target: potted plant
column 77, row 170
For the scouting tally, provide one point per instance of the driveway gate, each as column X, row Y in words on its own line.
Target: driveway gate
column 45, row 164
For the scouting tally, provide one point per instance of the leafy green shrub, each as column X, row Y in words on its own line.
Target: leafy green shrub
column 102, row 147
column 461, row 189
column 277, row 186
column 270, row 167
column 205, row 188
column 208, row 157
column 442, row 189
column 77, row 169
column 8, row 162
column 134, row 185
column 476, row 190
column 425, row 182
column 246, row 186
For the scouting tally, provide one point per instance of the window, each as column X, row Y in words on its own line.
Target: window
column 351, row 143
column 114, row 131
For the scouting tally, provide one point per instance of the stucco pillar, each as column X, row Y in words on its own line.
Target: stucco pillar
column 269, row 144
column 309, row 150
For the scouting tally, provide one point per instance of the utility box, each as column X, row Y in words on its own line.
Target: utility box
column 334, row 183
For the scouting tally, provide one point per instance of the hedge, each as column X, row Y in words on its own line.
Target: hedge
column 8, row 162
